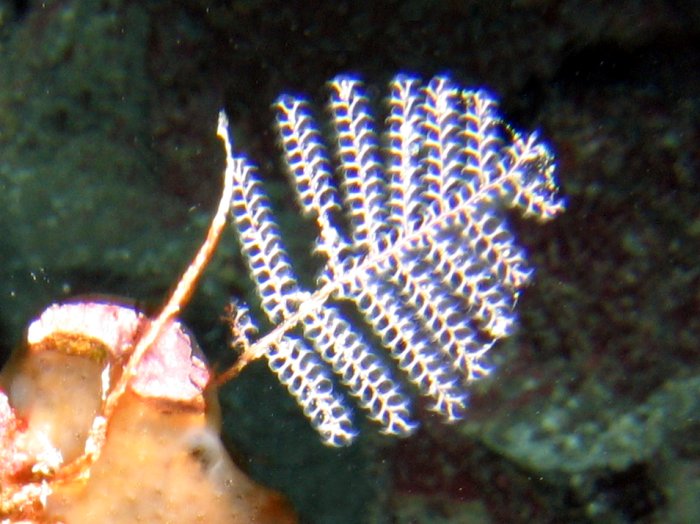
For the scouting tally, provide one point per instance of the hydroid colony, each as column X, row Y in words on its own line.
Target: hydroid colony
column 428, row 258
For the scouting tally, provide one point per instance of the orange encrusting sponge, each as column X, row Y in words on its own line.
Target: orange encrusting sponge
column 160, row 466
column 162, row 459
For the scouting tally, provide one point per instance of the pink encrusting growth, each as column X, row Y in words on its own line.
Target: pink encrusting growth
column 13, row 455
column 113, row 325
column 172, row 369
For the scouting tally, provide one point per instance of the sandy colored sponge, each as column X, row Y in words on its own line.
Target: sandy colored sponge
column 165, row 467
column 162, row 460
